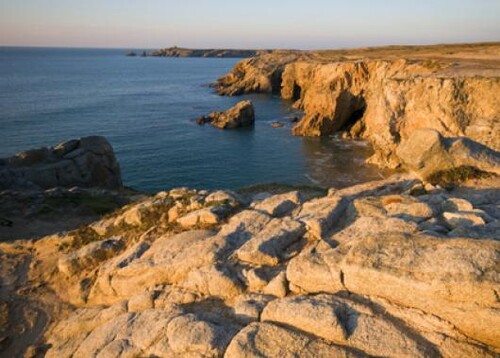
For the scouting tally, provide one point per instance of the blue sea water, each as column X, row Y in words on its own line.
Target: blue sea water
column 146, row 107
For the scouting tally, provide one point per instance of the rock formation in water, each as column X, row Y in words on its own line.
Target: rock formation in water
column 392, row 268
column 384, row 94
column 241, row 115
column 84, row 162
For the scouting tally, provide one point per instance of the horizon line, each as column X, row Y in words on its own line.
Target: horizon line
column 247, row 48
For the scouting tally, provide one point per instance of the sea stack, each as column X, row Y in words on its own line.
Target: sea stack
column 241, row 115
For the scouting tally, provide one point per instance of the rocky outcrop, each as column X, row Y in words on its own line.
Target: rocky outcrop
column 84, row 162
column 391, row 268
column 241, row 115
column 427, row 153
column 382, row 100
column 260, row 74
column 390, row 100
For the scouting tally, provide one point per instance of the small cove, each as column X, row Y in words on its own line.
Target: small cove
column 146, row 107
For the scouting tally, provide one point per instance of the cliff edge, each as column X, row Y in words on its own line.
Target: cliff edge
column 383, row 94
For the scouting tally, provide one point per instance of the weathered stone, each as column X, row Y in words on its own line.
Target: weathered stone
column 127, row 333
column 269, row 340
column 409, row 271
column 281, row 204
column 241, row 227
column 188, row 335
column 168, row 260
column 241, row 115
column 309, row 272
column 427, row 153
column 268, row 246
column 255, row 280
column 458, row 219
column 213, row 281
column 278, row 286
column 457, row 204
column 407, row 208
column 221, row 196
column 488, row 231
column 171, row 295
column 320, row 215
column 344, row 322
column 248, row 308
column 141, row 302
column 207, row 216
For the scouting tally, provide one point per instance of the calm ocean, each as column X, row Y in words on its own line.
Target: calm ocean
column 146, row 107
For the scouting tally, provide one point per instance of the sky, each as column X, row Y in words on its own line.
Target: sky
column 300, row 24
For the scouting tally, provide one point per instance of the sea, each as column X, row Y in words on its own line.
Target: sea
column 147, row 107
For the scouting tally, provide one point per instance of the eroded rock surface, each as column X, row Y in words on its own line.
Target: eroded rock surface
column 427, row 153
column 390, row 268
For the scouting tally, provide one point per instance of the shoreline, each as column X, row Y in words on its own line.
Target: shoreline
column 404, row 266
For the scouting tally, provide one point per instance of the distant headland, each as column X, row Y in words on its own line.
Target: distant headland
column 187, row 52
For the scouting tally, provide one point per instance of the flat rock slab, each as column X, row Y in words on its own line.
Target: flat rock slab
column 456, row 280
column 320, row 215
column 344, row 322
column 269, row 340
column 206, row 216
column 281, row 204
column 267, row 247
column 463, row 219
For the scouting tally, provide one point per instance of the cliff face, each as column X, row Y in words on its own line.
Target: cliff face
column 381, row 100
column 262, row 74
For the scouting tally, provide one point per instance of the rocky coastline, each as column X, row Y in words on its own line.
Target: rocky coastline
column 403, row 267
column 382, row 94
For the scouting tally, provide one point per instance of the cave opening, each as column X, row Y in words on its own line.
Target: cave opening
column 276, row 81
column 297, row 92
column 354, row 125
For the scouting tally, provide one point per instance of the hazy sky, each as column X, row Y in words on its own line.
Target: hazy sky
column 246, row 24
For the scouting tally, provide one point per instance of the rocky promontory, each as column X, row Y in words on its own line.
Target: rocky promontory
column 84, row 162
column 187, row 52
column 383, row 94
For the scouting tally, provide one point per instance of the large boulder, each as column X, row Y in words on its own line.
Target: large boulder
column 270, row 340
column 346, row 323
column 85, row 162
column 241, row 115
column 427, row 153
